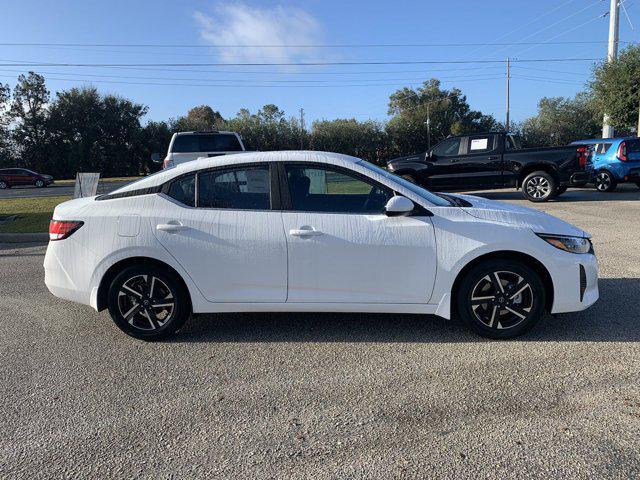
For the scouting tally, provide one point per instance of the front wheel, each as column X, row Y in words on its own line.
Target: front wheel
column 500, row 299
column 39, row 183
column 605, row 182
column 539, row 187
column 3, row 185
column 148, row 302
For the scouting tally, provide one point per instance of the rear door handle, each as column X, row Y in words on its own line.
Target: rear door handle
column 170, row 227
column 305, row 231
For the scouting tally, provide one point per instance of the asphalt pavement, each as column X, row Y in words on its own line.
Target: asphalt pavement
column 325, row 396
column 53, row 190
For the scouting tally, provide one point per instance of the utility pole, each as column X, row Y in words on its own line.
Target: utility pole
column 614, row 17
column 506, row 125
column 301, row 128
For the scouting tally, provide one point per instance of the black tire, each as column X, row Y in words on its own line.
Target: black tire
column 3, row 185
column 605, row 182
column 539, row 187
column 39, row 183
column 638, row 184
column 409, row 177
column 522, row 310
column 560, row 190
column 132, row 287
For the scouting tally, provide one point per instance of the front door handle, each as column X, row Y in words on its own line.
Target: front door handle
column 170, row 227
column 454, row 160
column 305, row 231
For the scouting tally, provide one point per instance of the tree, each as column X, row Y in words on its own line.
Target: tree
column 92, row 132
column 366, row 140
column 268, row 129
column 5, row 141
column 200, row 118
column 29, row 113
column 447, row 110
column 616, row 89
column 560, row 121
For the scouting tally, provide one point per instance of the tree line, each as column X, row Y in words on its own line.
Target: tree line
column 81, row 129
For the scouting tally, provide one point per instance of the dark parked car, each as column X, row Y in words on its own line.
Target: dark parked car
column 497, row 160
column 11, row 177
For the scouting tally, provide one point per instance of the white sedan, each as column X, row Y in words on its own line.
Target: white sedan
column 311, row 232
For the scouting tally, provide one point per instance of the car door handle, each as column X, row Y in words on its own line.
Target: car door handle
column 304, row 232
column 493, row 158
column 454, row 160
column 170, row 227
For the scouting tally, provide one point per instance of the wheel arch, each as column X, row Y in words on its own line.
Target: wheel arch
column 538, row 167
column 116, row 268
column 528, row 260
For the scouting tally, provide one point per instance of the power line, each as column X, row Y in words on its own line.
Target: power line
column 17, row 63
column 335, row 45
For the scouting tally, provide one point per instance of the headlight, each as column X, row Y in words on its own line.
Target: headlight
column 568, row 243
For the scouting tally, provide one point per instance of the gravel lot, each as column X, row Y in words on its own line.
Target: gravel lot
column 328, row 396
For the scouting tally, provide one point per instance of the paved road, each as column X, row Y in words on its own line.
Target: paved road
column 327, row 396
column 53, row 190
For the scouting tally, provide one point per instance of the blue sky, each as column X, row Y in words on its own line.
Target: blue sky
column 323, row 91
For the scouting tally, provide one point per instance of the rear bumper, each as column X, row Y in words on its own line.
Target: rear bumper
column 60, row 279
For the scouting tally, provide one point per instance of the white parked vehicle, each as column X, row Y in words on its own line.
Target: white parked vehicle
column 311, row 231
column 188, row 146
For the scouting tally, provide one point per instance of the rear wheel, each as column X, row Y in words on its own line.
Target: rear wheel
column 39, row 183
column 3, row 185
column 500, row 299
column 605, row 182
column 539, row 187
column 148, row 302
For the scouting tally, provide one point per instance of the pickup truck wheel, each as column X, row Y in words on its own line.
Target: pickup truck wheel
column 409, row 177
column 539, row 187
column 605, row 182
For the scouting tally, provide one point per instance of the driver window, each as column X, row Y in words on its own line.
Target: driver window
column 320, row 189
column 447, row 148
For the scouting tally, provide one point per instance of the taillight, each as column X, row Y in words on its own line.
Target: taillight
column 622, row 152
column 582, row 153
column 61, row 229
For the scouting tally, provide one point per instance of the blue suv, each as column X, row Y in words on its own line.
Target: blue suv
column 615, row 160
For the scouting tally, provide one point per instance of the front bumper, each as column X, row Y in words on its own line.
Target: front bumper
column 571, row 293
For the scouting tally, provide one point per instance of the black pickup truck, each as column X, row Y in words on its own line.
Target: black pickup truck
column 497, row 160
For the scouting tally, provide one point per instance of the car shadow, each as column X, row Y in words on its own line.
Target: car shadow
column 623, row 192
column 614, row 318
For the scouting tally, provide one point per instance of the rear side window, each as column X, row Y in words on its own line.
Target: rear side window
column 244, row 188
column 206, row 143
column 602, row 147
column 480, row 144
column 183, row 190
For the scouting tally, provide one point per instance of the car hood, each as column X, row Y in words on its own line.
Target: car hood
column 536, row 220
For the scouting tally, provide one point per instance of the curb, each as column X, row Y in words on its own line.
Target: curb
column 24, row 237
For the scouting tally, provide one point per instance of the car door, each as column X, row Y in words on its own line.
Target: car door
column 20, row 177
column 480, row 165
column 228, row 236
column 442, row 160
column 342, row 248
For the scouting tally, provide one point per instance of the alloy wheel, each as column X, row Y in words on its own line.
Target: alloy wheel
column 3, row 185
column 538, row 187
column 39, row 183
column 603, row 181
column 502, row 300
column 146, row 302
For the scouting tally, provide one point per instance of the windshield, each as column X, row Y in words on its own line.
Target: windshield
column 426, row 194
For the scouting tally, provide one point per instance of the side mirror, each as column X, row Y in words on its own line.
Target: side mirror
column 156, row 158
column 398, row 206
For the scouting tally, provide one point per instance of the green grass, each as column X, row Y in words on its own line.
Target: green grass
column 34, row 214
column 72, row 181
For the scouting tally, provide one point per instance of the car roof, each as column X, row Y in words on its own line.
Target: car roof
column 202, row 163
column 205, row 132
column 590, row 141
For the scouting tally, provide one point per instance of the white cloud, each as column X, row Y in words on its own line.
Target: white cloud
column 241, row 24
